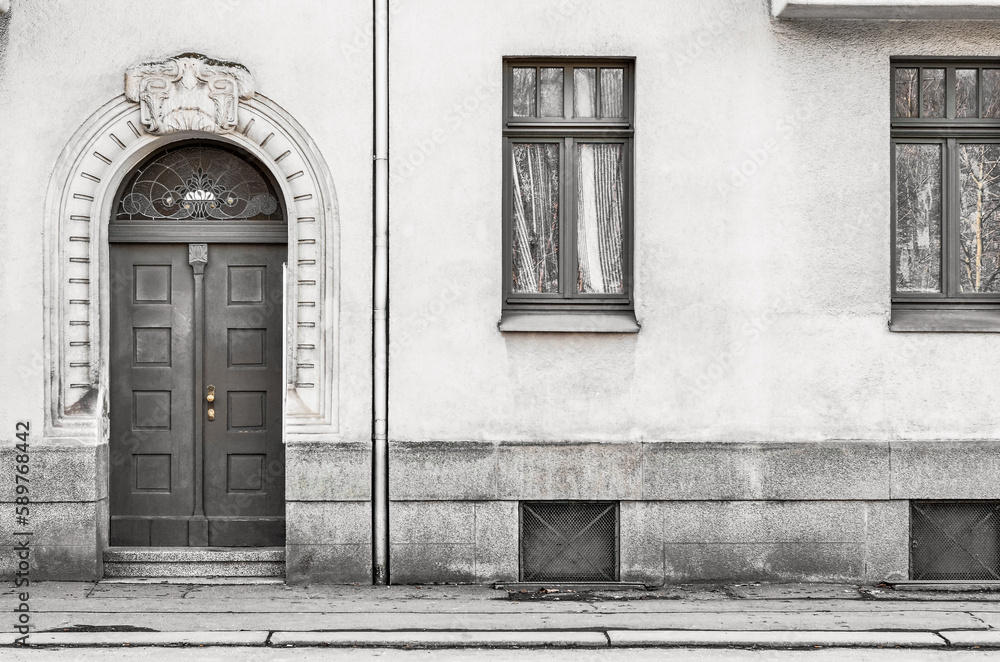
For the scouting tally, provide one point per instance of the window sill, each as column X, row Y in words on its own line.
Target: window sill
column 619, row 321
column 886, row 9
column 945, row 320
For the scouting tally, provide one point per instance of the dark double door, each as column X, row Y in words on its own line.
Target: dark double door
column 196, row 394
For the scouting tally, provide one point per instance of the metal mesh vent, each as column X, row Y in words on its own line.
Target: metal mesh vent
column 955, row 541
column 569, row 542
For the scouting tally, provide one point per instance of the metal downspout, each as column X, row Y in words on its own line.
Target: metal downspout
column 380, row 303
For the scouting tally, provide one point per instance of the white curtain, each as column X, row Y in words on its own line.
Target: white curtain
column 599, row 217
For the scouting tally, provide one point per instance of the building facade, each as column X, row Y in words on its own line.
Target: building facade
column 676, row 291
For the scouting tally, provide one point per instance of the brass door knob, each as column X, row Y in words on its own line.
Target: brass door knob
column 211, row 393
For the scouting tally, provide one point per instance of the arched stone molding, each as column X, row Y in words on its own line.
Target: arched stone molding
column 78, row 208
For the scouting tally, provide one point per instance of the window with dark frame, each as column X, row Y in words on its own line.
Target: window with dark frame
column 946, row 195
column 567, row 215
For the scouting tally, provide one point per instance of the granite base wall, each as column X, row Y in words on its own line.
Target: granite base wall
column 828, row 511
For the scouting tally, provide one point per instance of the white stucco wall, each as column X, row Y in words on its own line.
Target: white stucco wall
column 63, row 60
column 764, row 298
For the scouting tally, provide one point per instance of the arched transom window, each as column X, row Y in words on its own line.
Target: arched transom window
column 198, row 183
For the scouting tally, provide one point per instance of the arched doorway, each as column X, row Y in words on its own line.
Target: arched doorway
column 197, row 247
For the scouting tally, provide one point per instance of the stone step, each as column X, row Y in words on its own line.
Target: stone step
column 194, row 562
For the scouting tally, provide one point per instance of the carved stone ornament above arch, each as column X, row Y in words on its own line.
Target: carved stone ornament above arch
column 81, row 198
column 188, row 92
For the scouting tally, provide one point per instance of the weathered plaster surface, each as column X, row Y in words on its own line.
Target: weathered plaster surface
column 61, row 61
column 761, row 225
column 42, row 111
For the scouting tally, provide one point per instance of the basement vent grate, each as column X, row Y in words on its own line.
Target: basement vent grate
column 569, row 542
column 958, row 541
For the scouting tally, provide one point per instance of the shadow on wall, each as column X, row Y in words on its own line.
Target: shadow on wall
column 4, row 23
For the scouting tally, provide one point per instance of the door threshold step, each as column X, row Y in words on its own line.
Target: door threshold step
column 194, row 562
column 196, row 581
column 193, row 554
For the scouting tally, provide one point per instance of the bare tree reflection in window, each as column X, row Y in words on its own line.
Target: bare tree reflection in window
column 932, row 83
column 918, row 218
column 966, row 93
column 535, row 232
column 906, row 93
column 991, row 93
column 524, row 92
column 979, row 177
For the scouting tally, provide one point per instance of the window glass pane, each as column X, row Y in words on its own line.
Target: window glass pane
column 991, row 92
column 535, row 217
column 966, row 93
column 932, row 81
column 524, row 92
column 612, row 93
column 551, row 92
column 585, row 92
column 979, row 223
column 906, row 93
column 599, row 212
column 918, row 218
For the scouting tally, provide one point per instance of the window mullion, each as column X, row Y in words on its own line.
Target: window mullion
column 920, row 92
column 538, row 91
column 950, row 229
column 568, row 83
column 979, row 92
column 949, row 93
column 597, row 93
column 567, row 221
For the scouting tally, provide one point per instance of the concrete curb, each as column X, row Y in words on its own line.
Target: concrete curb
column 520, row 639
column 109, row 639
column 772, row 638
column 961, row 638
column 498, row 639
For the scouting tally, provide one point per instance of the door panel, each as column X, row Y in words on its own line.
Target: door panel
column 154, row 403
column 151, row 400
column 244, row 456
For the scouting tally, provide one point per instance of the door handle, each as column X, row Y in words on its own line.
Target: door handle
column 210, row 397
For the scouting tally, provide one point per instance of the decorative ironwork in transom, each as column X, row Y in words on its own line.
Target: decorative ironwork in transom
column 198, row 182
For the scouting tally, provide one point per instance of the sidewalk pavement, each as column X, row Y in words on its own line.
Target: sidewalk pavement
column 112, row 614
